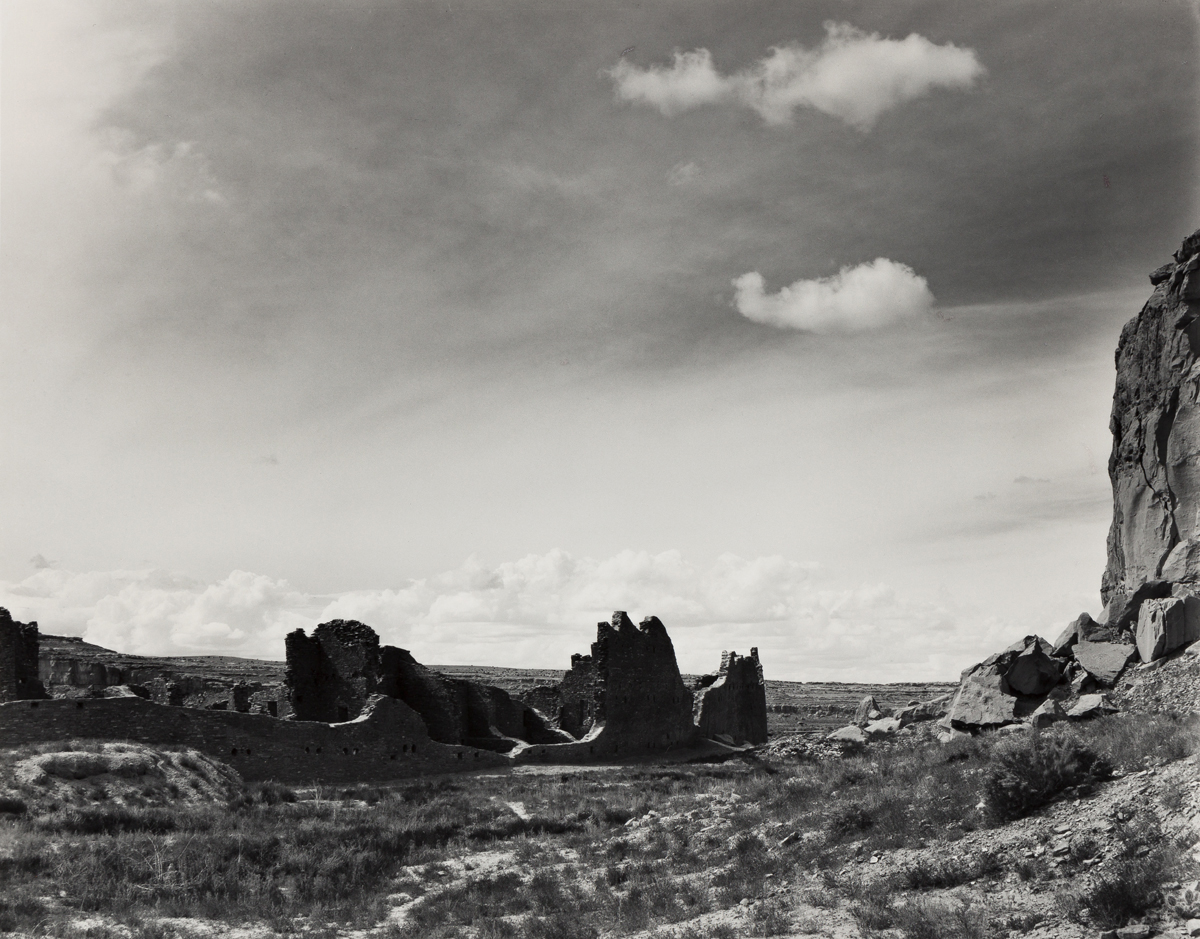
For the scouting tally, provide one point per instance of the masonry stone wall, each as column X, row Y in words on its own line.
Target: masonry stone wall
column 18, row 660
column 331, row 674
column 626, row 698
column 427, row 692
column 735, row 703
column 387, row 741
column 581, row 697
column 462, row 712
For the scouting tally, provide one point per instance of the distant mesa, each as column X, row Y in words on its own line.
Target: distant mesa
column 350, row 710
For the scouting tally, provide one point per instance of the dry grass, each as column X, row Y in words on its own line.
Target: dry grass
column 600, row 853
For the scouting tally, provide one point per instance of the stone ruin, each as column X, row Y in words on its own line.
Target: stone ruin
column 334, row 672
column 464, row 712
column 72, row 668
column 629, row 688
column 19, row 679
column 354, row 707
column 331, row 673
column 628, row 691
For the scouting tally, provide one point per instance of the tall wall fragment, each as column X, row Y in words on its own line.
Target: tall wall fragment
column 627, row 696
column 734, row 705
column 331, row 674
column 18, row 660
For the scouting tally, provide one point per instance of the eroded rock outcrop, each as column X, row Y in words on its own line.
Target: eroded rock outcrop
column 1155, row 461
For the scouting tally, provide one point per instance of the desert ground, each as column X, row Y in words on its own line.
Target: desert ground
column 1076, row 831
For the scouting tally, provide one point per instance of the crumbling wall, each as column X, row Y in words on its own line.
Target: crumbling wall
column 331, row 674
column 627, row 697
column 546, row 699
column 459, row 711
column 735, row 704
column 427, row 692
column 646, row 703
column 581, row 697
column 19, row 660
column 387, row 741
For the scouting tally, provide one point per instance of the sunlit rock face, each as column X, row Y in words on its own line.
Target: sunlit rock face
column 1155, row 461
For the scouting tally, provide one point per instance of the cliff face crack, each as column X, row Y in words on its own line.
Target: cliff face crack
column 1162, row 438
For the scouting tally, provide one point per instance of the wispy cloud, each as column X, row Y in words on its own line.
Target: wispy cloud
column 533, row 611
column 853, row 76
column 868, row 296
column 682, row 174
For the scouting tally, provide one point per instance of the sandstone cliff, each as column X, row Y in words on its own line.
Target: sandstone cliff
column 1155, row 461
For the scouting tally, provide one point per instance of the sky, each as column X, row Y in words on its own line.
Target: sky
column 789, row 323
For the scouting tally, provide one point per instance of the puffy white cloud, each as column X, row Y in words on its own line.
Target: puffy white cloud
column 868, row 296
column 689, row 82
column 532, row 612
column 853, row 76
column 155, row 612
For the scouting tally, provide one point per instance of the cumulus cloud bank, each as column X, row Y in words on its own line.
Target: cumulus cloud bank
column 868, row 296
column 532, row 612
column 853, row 76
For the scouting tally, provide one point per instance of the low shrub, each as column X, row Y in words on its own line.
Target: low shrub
column 923, row 918
column 1127, row 889
column 11, row 805
column 109, row 820
column 272, row 793
column 770, row 918
column 1130, row 742
column 848, row 819
column 871, row 905
column 932, row 874
column 1024, row 774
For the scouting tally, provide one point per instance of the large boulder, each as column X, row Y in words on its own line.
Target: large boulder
column 884, row 727
column 1082, row 627
column 1047, row 713
column 1033, row 672
column 1104, row 661
column 1091, row 705
column 1121, row 612
column 982, row 699
column 923, row 710
column 849, row 735
column 1164, row 626
column 867, row 710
